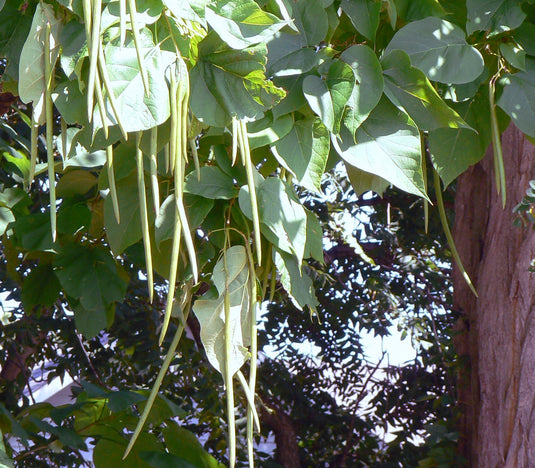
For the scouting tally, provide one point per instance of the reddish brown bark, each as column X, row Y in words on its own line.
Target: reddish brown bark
column 497, row 387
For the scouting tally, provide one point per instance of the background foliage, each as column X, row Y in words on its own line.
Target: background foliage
column 145, row 115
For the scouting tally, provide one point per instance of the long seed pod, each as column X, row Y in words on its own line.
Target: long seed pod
column 111, row 182
column 252, row 417
column 175, row 133
column 158, row 382
column 101, row 106
column 93, row 55
column 34, row 133
column 245, row 152
column 137, row 43
column 193, row 147
column 154, row 169
column 188, row 240
column 249, row 395
column 172, row 275
column 231, row 419
column 234, row 140
column 144, row 215
column 424, row 172
column 64, row 150
column 122, row 22
column 180, row 85
column 109, row 90
column 50, row 130
column 449, row 237
column 499, row 169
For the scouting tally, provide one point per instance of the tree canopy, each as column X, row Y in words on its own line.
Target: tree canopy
column 161, row 157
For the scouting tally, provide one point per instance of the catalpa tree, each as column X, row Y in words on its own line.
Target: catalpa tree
column 193, row 128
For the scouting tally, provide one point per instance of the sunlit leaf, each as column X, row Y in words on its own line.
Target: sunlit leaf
column 439, row 49
column 230, row 271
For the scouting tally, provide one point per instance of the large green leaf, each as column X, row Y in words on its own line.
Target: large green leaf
column 388, row 145
column 364, row 14
column 312, row 21
column 328, row 98
column 32, row 58
column 90, row 276
column 408, row 87
column 453, row 150
column 295, row 63
column 192, row 10
column 128, row 231
column 411, row 10
column 183, row 443
column 227, row 82
column 268, row 130
column 295, row 281
column 213, row 183
column 137, row 110
column 109, row 452
column 494, row 16
column 369, row 88
column 283, row 220
column 305, row 151
column 241, row 23
column 231, row 272
column 518, row 100
column 439, row 49
column 165, row 460
column 40, row 288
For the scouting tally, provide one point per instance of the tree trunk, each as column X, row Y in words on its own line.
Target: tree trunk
column 497, row 385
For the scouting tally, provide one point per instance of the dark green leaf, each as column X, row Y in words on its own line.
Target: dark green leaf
column 364, row 14
column 214, row 184
column 40, row 288
column 494, row 16
column 311, row 20
column 411, row 11
column 369, row 88
column 304, row 151
column 90, row 276
column 518, row 100
column 183, row 443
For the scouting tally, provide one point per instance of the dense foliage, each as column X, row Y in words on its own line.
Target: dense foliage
column 190, row 139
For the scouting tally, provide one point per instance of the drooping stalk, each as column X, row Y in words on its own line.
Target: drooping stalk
column 144, row 215
column 111, row 182
column 158, row 382
column 449, row 237
column 49, row 113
